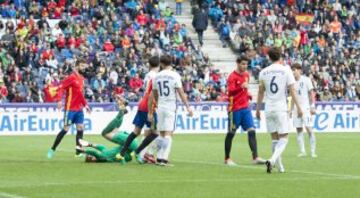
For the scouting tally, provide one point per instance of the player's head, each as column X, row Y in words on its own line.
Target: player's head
column 89, row 158
column 242, row 63
column 165, row 60
column 274, row 54
column 297, row 69
column 80, row 66
column 154, row 62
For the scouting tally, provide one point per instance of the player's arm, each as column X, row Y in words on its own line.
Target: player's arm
column 150, row 104
column 183, row 97
column 260, row 98
column 64, row 84
column 311, row 97
column 295, row 100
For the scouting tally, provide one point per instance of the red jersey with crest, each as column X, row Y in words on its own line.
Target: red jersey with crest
column 143, row 104
column 238, row 96
column 73, row 86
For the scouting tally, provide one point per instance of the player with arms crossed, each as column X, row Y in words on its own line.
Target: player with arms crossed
column 239, row 111
column 166, row 85
column 305, row 96
column 274, row 82
column 75, row 101
column 141, row 117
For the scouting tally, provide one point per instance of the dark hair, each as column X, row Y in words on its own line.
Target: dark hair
column 296, row 66
column 165, row 60
column 154, row 61
column 274, row 54
column 242, row 58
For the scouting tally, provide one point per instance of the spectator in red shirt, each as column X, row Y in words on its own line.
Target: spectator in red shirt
column 108, row 46
column 142, row 18
column 3, row 91
column 135, row 83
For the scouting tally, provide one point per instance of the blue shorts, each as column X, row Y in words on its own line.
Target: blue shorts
column 141, row 119
column 241, row 117
column 73, row 117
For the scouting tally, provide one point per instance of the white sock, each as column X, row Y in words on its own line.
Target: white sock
column 300, row 141
column 312, row 142
column 160, row 148
column 279, row 149
column 153, row 147
column 167, row 144
column 278, row 161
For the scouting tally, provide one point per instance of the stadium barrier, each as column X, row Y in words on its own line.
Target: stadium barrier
column 209, row 117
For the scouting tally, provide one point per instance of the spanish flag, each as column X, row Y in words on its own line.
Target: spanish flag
column 305, row 19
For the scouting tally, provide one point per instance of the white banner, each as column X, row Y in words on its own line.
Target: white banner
column 207, row 119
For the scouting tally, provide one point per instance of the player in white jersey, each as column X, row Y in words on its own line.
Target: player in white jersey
column 166, row 85
column 305, row 96
column 274, row 82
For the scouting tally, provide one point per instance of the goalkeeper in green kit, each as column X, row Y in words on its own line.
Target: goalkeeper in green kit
column 100, row 153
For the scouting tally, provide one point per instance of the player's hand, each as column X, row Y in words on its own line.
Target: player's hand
column 190, row 111
column 150, row 117
column 59, row 105
column 88, row 110
column 300, row 113
column 245, row 85
column 258, row 115
column 312, row 111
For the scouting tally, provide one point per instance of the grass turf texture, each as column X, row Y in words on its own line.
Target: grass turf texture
column 198, row 170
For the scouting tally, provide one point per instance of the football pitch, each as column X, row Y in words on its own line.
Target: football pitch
column 198, row 170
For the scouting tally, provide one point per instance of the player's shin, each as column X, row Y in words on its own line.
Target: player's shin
column 300, row 141
column 252, row 143
column 79, row 135
column 279, row 149
column 151, row 137
column 167, row 147
column 128, row 141
column 58, row 139
column 228, row 143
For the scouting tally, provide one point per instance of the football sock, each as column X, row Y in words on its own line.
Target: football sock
column 153, row 147
column 278, row 161
column 58, row 139
column 279, row 149
column 167, row 147
column 228, row 142
column 300, row 141
column 151, row 137
column 161, row 148
column 252, row 143
column 128, row 141
column 115, row 123
column 312, row 142
column 79, row 135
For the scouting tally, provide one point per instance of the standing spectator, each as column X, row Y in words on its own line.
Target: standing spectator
column 3, row 91
column 200, row 23
column 178, row 7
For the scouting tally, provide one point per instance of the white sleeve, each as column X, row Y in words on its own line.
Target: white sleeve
column 290, row 77
column 309, row 84
column 178, row 83
column 154, row 87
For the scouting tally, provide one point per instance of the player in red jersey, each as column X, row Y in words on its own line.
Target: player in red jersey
column 75, row 101
column 239, row 110
column 141, row 117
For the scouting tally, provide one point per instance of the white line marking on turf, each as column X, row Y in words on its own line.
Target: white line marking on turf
column 8, row 195
column 263, row 168
column 257, row 167
column 157, row 181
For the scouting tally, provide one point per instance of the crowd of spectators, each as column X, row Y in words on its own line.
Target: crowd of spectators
column 327, row 43
column 116, row 38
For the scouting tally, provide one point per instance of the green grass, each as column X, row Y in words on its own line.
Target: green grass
column 198, row 170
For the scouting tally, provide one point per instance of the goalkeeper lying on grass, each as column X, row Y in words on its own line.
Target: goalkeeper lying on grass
column 99, row 153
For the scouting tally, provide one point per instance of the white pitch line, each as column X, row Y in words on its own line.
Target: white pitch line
column 157, row 181
column 8, row 195
column 257, row 167
column 263, row 168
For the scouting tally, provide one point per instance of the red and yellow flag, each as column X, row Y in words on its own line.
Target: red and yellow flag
column 305, row 19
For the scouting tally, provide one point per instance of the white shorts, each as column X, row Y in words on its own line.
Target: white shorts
column 166, row 120
column 306, row 120
column 277, row 121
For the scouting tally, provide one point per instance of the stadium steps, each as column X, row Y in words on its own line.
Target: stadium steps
column 222, row 58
